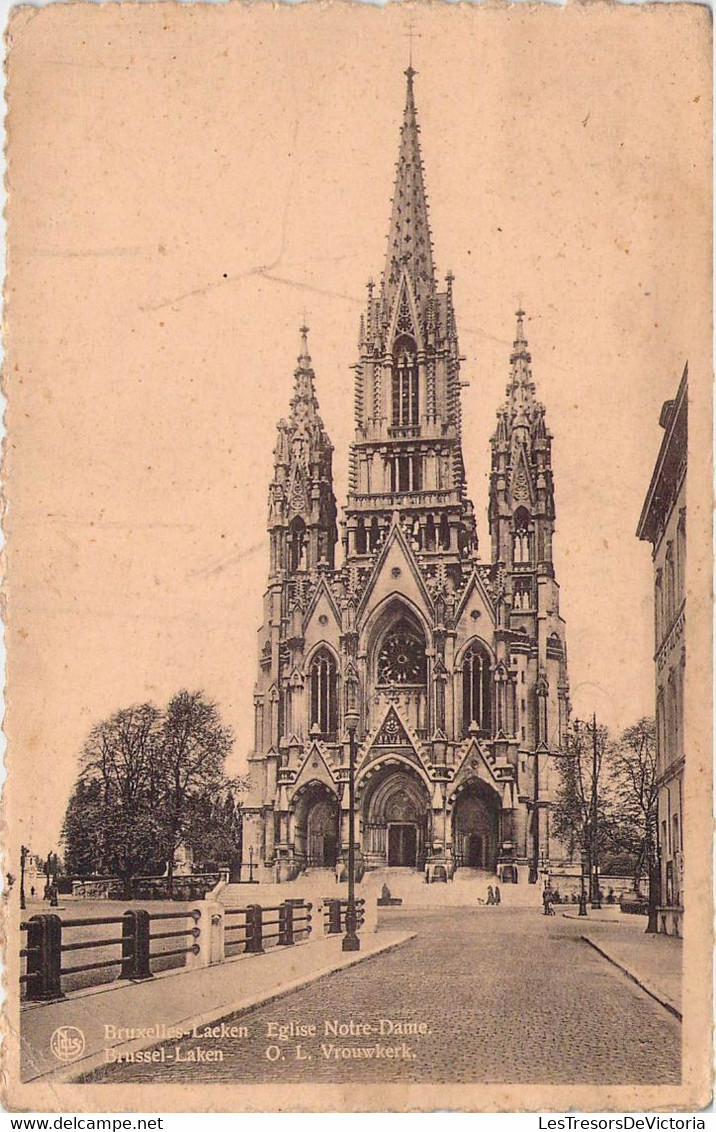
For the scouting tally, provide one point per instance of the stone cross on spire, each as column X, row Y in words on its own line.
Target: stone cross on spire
column 409, row 244
column 521, row 389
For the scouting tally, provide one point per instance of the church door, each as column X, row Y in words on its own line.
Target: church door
column 474, row 857
column 402, row 845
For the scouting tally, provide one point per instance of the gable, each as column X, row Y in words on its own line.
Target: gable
column 474, row 764
column 314, row 768
column 322, row 621
column 521, row 489
column 475, row 614
column 396, row 573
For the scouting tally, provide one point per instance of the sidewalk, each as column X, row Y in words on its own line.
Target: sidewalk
column 113, row 1015
column 651, row 961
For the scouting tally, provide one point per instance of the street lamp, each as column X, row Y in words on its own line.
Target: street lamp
column 591, row 728
column 24, row 851
column 582, row 893
column 351, row 941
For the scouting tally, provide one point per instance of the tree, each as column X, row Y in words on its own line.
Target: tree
column 192, row 751
column 148, row 781
column 582, row 797
column 635, row 794
column 214, row 831
column 120, row 821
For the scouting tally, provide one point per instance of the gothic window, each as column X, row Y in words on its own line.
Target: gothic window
column 405, row 383
column 324, row 693
column 430, row 533
column 374, row 533
column 444, row 533
column 681, row 555
column 401, row 659
column 297, row 545
column 406, row 473
column 659, row 604
column 521, row 538
column 361, row 541
column 669, row 567
column 476, row 689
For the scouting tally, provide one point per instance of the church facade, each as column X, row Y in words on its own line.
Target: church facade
column 461, row 663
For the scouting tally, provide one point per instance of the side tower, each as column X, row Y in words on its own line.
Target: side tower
column 295, row 693
column 302, row 506
column 522, row 517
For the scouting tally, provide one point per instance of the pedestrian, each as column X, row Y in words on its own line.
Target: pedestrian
column 32, row 891
column 547, row 901
column 497, row 894
column 339, row 870
column 490, row 895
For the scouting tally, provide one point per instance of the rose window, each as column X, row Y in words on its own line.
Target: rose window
column 402, row 659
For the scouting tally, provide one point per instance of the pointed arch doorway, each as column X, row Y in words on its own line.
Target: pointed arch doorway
column 396, row 810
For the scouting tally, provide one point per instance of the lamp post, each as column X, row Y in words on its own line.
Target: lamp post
column 24, row 851
column 582, row 893
column 351, row 942
column 592, row 825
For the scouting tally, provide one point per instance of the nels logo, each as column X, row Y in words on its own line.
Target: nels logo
column 67, row 1043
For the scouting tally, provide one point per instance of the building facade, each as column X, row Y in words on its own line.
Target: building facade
column 663, row 524
column 460, row 663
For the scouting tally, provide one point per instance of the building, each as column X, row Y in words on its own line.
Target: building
column 461, row 664
column 663, row 524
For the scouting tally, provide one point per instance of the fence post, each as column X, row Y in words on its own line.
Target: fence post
column 285, row 926
column 135, row 945
column 334, row 916
column 254, row 925
column 45, row 935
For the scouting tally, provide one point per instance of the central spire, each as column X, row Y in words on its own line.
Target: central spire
column 409, row 243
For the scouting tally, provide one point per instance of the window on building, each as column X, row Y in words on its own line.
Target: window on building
column 324, row 693
column 406, row 410
column 476, row 688
column 361, row 537
column 297, row 545
column 401, row 659
column 522, row 539
column 670, row 583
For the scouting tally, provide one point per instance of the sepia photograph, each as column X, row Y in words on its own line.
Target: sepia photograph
column 357, row 492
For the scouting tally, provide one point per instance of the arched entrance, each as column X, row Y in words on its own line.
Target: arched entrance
column 476, row 827
column 316, row 841
column 396, row 809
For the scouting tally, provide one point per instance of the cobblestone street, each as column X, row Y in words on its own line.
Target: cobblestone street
column 489, row 995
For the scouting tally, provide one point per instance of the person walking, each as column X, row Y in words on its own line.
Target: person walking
column 490, row 895
column 497, row 894
column 547, row 901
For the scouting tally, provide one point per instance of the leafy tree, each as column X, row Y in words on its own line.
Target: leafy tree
column 192, row 751
column 148, row 782
column 119, row 782
column 82, row 831
column 214, row 831
column 626, row 799
column 635, row 793
column 573, row 810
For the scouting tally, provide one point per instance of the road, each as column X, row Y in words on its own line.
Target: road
column 480, row 995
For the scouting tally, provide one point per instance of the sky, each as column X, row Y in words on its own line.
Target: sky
column 188, row 185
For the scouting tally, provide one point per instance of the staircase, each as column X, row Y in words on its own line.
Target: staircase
column 468, row 888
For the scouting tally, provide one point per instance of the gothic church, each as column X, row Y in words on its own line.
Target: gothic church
column 461, row 664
